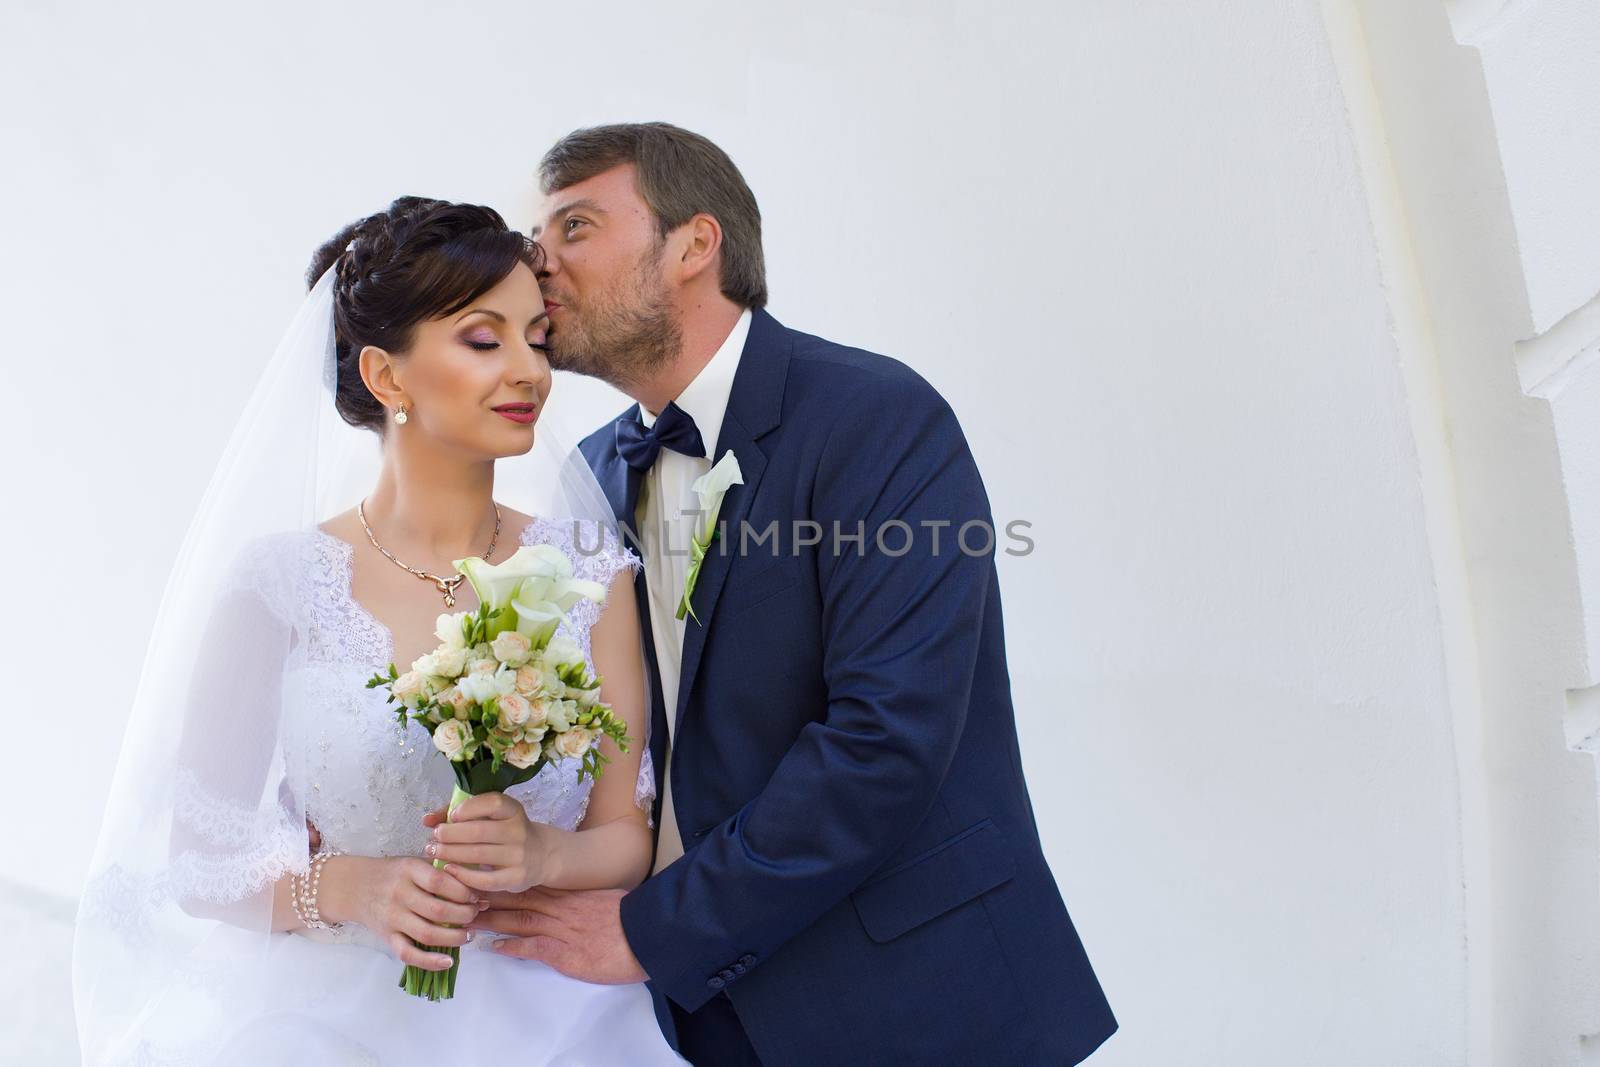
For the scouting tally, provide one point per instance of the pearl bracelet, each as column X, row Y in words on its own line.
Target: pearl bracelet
column 303, row 892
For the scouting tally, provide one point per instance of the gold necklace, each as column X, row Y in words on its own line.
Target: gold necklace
column 447, row 586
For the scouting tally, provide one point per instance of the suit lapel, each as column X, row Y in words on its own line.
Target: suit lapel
column 719, row 558
column 755, row 407
column 621, row 485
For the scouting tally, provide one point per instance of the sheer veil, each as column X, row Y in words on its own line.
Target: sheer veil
column 201, row 820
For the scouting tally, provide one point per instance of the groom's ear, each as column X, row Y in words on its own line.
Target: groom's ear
column 699, row 248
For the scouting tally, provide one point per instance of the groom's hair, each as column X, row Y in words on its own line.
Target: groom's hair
column 680, row 175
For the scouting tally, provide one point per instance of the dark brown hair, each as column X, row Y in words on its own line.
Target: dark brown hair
column 681, row 174
column 420, row 259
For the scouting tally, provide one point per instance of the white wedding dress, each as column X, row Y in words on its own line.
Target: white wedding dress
column 333, row 998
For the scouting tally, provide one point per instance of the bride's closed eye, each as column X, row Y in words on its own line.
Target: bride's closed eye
column 488, row 346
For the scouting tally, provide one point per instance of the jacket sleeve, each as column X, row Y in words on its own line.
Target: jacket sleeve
column 900, row 632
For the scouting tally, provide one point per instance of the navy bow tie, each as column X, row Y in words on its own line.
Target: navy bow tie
column 674, row 428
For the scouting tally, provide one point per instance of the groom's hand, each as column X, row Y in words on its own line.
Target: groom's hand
column 576, row 931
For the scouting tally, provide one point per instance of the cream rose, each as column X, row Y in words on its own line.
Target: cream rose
column 454, row 739
column 412, row 688
column 514, row 710
column 457, row 701
column 530, row 679
column 512, row 647
column 524, row 754
column 450, row 661
column 575, row 742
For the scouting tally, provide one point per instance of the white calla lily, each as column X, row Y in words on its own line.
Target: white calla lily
column 537, row 619
column 712, row 486
column 496, row 583
column 571, row 590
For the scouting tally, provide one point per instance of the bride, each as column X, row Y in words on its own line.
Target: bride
column 261, row 876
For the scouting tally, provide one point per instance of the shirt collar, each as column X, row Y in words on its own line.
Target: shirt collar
column 705, row 399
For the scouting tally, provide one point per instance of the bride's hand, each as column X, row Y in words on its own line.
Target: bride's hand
column 401, row 899
column 511, row 851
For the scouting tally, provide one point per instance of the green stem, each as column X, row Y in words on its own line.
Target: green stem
column 436, row 985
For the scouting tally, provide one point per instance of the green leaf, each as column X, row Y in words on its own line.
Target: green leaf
column 484, row 777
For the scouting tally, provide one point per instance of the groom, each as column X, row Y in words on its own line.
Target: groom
column 848, row 869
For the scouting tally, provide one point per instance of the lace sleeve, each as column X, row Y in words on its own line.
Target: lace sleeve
column 612, row 560
column 236, row 827
column 644, row 788
column 601, row 555
column 601, row 558
column 199, row 825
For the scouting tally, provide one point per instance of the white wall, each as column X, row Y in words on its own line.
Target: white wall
column 1490, row 141
column 1157, row 255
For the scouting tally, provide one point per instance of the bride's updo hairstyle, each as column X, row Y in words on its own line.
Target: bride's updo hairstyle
column 420, row 259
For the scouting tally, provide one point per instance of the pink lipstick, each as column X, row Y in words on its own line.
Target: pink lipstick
column 522, row 413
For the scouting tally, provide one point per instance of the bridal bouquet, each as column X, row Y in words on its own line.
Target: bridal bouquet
column 502, row 695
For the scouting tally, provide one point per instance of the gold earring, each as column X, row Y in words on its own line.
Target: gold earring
column 400, row 416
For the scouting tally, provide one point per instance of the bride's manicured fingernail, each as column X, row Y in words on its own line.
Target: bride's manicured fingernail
column 483, row 905
column 469, row 936
column 431, row 850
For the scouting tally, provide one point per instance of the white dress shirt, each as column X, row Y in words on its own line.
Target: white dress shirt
column 667, row 512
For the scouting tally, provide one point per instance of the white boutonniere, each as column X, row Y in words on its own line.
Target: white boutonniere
column 710, row 487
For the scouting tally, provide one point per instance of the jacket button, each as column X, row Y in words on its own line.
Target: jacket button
column 725, row 974
column 715, row 982
column 738, row 968
column 747, row 959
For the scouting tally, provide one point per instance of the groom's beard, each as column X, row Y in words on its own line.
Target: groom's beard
column 621, row 337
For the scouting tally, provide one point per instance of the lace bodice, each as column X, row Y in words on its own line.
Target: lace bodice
column 365, row 781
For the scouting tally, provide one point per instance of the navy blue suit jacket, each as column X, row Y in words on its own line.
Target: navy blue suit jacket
column 862, row 873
